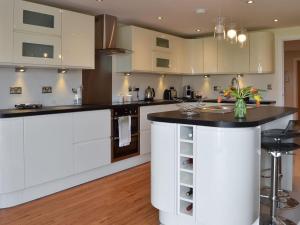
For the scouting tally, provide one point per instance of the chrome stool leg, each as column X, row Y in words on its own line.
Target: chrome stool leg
column 275, row 220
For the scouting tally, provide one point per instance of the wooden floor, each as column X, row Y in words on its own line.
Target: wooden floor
column 120, row 199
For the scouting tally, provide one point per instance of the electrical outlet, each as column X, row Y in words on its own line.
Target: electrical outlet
column 46, row 89
column 15, row 90
column 269, row 86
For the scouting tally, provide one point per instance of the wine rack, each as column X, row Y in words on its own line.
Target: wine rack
column 186, row 175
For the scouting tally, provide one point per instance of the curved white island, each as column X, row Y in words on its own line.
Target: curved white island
column 205, row 169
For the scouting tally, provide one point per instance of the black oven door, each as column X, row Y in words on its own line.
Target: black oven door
column 124, row 152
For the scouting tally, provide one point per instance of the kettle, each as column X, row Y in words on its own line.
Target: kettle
column 149, row 94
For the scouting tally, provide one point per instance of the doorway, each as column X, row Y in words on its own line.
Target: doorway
column 292, row 99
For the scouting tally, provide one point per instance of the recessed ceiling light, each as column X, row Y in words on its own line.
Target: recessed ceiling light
column 200, row 11
column 160, row 18
column 250, row 1
column 276, row 20
column 99, row 0
column 197, row 30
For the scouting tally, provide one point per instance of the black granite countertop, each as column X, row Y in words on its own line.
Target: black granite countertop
column 263, row 102
column 255, row 117
column 10, row 113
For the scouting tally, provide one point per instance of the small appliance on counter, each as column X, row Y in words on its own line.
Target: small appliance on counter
column 170, row 94
column 28, row 106
column 149, row 94
column 167, row 94
column 77, row 95
column 173, row 92
column 188, row 92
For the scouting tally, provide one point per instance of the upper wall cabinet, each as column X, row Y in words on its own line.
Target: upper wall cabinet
column 140, row 42
column 155, row 52
column 37, row 49
column 6, row 31
column 232, row 58
column 192, row 56
column 210, row 49
column 78, row 40
column 37, row 18
column 261, row 52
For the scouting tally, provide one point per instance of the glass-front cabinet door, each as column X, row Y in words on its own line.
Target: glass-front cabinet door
column 37, row 49
column 162, row 42
column 163, row 62
column 37, row 18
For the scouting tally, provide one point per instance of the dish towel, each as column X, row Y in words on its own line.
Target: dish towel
column 124, row 123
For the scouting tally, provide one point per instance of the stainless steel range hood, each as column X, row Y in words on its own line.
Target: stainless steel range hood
column 105, row 35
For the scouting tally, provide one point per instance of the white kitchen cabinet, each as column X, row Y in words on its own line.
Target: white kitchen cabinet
column 210, row 49
column 37, row 18
column 35, row 49
column 163, row 42
column 145, row 124
column 6, row 31
column 261, row 52
column 164, row 62
column 192, row 56
column 48, row 148
column 92, row 154
column 11, row 155
column 139, row 41
column 78, row 40
column 91, row 125
column 232, row 58
column 163, row 179
column 91, row 138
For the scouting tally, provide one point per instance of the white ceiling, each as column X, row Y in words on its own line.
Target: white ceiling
column 180, row 16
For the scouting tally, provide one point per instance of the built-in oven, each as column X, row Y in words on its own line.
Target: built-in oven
column 133, row 149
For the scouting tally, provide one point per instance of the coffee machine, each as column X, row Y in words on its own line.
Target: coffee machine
column 188, row 92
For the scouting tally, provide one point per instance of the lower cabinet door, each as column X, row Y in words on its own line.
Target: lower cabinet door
column 163, row 170
column 145, row 142
column 11, row 155
column 48, row 148
column 93, row 154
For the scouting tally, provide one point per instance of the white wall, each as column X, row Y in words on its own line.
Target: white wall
column 32, row 81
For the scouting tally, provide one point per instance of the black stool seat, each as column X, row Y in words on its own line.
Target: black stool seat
column 280, row 147
column 280, row 133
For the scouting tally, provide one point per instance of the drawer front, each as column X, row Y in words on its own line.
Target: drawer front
column 91, row 125
column 37, row 49
column 91, row 155
column 37, row 18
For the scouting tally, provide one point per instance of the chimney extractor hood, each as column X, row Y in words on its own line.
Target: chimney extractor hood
column 105, row 35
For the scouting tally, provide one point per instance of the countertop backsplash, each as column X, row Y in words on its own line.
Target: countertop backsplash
column 32, row 82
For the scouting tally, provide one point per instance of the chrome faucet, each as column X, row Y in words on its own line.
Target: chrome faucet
column 235, row 83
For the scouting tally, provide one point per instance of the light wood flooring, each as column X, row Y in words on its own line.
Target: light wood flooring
column 120, row 199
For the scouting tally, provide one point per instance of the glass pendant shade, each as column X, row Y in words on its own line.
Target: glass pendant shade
column 242, row 37
column 219, row 32
column 232, row 33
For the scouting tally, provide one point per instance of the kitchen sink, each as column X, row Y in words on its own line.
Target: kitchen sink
column 220, row 108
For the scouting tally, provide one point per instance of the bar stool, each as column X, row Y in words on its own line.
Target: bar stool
column 278, row 142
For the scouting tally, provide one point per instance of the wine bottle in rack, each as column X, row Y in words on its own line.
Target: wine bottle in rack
column 189, row 207
column 188, row 161
column 190, row 192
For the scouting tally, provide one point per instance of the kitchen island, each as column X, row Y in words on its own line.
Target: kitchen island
column 205, row 168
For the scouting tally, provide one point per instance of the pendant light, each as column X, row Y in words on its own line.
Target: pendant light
column 219, row 32
column 242, row 37
column 232, row 33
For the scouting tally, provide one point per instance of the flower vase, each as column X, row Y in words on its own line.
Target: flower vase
column 240, row 108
